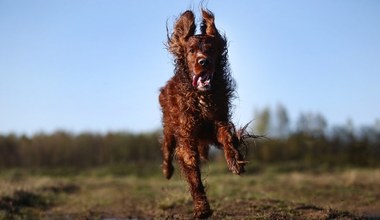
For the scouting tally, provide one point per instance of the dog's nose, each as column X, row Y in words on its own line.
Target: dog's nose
column 203, row 62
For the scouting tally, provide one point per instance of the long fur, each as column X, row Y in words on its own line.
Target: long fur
column 192, row 119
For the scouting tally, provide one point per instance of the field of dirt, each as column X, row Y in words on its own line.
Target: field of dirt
column 344, row 194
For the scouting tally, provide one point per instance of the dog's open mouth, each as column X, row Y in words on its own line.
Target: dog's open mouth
column 202, row 81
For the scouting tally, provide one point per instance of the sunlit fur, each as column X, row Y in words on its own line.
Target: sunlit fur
column 193, row 119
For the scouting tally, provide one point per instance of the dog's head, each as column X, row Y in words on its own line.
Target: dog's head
column 200, row 52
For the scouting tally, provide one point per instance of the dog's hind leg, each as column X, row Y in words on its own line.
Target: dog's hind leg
column 168, row 145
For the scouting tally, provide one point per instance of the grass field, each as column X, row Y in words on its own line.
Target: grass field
column 267, row 193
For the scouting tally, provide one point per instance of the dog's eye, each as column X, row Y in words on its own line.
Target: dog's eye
column 191, row 50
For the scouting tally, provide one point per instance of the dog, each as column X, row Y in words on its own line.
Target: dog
column 196, row 104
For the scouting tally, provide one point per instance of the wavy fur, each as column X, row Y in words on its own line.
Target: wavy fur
column 193, row 119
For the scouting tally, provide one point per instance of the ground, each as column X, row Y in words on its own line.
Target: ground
column 266, row 194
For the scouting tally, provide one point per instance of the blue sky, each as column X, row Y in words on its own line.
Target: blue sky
column 96, row 65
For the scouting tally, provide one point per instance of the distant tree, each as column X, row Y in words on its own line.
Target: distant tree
column 311, row 124
column 344, row 133
column 371, row 134
column 262, row 121
column 282, row 121
column 9, row 150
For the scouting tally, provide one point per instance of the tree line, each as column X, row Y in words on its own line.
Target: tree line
column 63, row 149
column 308, row 141
column 311, row 142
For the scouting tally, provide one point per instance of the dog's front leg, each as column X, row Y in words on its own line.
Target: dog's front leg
column 232, row 155
column 188, row 159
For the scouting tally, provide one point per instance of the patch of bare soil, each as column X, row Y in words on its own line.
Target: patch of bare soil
column 250, row 209
column 24, row 204
column 256, row 209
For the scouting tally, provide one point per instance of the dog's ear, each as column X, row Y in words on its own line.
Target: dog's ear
column 183, row 29
column 208, row 24
column 208, row 28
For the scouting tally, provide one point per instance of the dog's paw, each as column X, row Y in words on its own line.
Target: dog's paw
column 167, row 170
column 235, row 164
column 236, row 167
column 202, row 213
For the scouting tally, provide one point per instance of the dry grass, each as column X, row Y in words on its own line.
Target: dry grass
column 266, row 195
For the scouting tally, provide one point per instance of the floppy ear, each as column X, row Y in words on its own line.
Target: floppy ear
column 183, row 29
column 208, row 24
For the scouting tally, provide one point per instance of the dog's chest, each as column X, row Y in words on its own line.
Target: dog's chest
column 205, row 106
column 203, row 103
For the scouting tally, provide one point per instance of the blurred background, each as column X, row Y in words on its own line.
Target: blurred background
column 83, row 77
column 80, row 122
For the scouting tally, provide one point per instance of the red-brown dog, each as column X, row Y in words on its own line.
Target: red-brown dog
column 196, row 104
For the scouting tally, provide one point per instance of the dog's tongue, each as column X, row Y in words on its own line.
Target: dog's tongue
column 195, row 80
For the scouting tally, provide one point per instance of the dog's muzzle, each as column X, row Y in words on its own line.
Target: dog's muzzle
column 202, row 81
